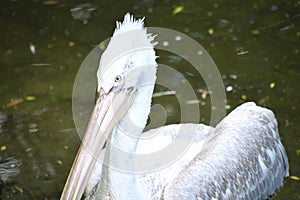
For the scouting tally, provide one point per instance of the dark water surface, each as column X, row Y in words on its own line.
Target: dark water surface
column 255, row 45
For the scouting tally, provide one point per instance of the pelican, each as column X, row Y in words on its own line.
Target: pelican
column 241, row 158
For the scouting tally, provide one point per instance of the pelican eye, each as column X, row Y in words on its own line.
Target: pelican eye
column 118, row 78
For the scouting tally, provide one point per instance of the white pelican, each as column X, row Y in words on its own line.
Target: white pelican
column 241, row 158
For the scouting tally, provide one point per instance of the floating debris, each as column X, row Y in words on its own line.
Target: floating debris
column 241, row 51
column 274, row 8
column 32, row 128
column 190, row 74
column 227, row 107
column 298, row 152
column 285, row 28
column 19, row 189
column 210, row 31
column 82, row 12
column 3, row 148
column 177, row 10
column 272, row 85
column 165, row 93
column 178, row 38
column 18, row 101
column 229, row 88
column 203, row 93
column 32, row 48
column 40, row 64
column 194, row 101
column 244, row 97
column 200, row 52
column 14, row 102
column 30, row 98
column 9, row 168
column 67, row 130
column 50, row 2
column 209, row 13
column 102, row 46
column 71, row 44
column 295, row 178
column 233, row 76
column 255, row 32
column 59, row 162
column 223, row 23
column 165, row 43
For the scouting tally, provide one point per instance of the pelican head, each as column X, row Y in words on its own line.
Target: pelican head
column 126, row 77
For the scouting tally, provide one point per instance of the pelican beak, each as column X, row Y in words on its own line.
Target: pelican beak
column 109, row 109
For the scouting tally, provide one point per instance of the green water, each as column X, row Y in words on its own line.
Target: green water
column 255, row 45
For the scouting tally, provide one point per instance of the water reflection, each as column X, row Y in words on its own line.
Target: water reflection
column 9, row 168
column 82, row 12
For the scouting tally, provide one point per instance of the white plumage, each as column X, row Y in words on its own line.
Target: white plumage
column 241, row 158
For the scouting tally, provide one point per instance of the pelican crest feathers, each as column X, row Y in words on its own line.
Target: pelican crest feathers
column 129, row 24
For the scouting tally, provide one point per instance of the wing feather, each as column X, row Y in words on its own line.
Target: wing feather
column 244, row 159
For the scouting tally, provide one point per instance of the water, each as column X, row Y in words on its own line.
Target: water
column 255, row 46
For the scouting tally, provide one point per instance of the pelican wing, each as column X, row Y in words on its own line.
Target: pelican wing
column 243, row 160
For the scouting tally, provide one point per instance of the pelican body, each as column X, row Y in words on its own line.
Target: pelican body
column 241, row 158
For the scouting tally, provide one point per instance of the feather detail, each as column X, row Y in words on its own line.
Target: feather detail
column 129, row 24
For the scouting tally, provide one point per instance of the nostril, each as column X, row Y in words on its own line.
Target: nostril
column 101, row 93
column 129, row 89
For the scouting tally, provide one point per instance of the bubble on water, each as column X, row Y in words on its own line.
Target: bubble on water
column 165, row 43
column 178, row 38
column 229, row 88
